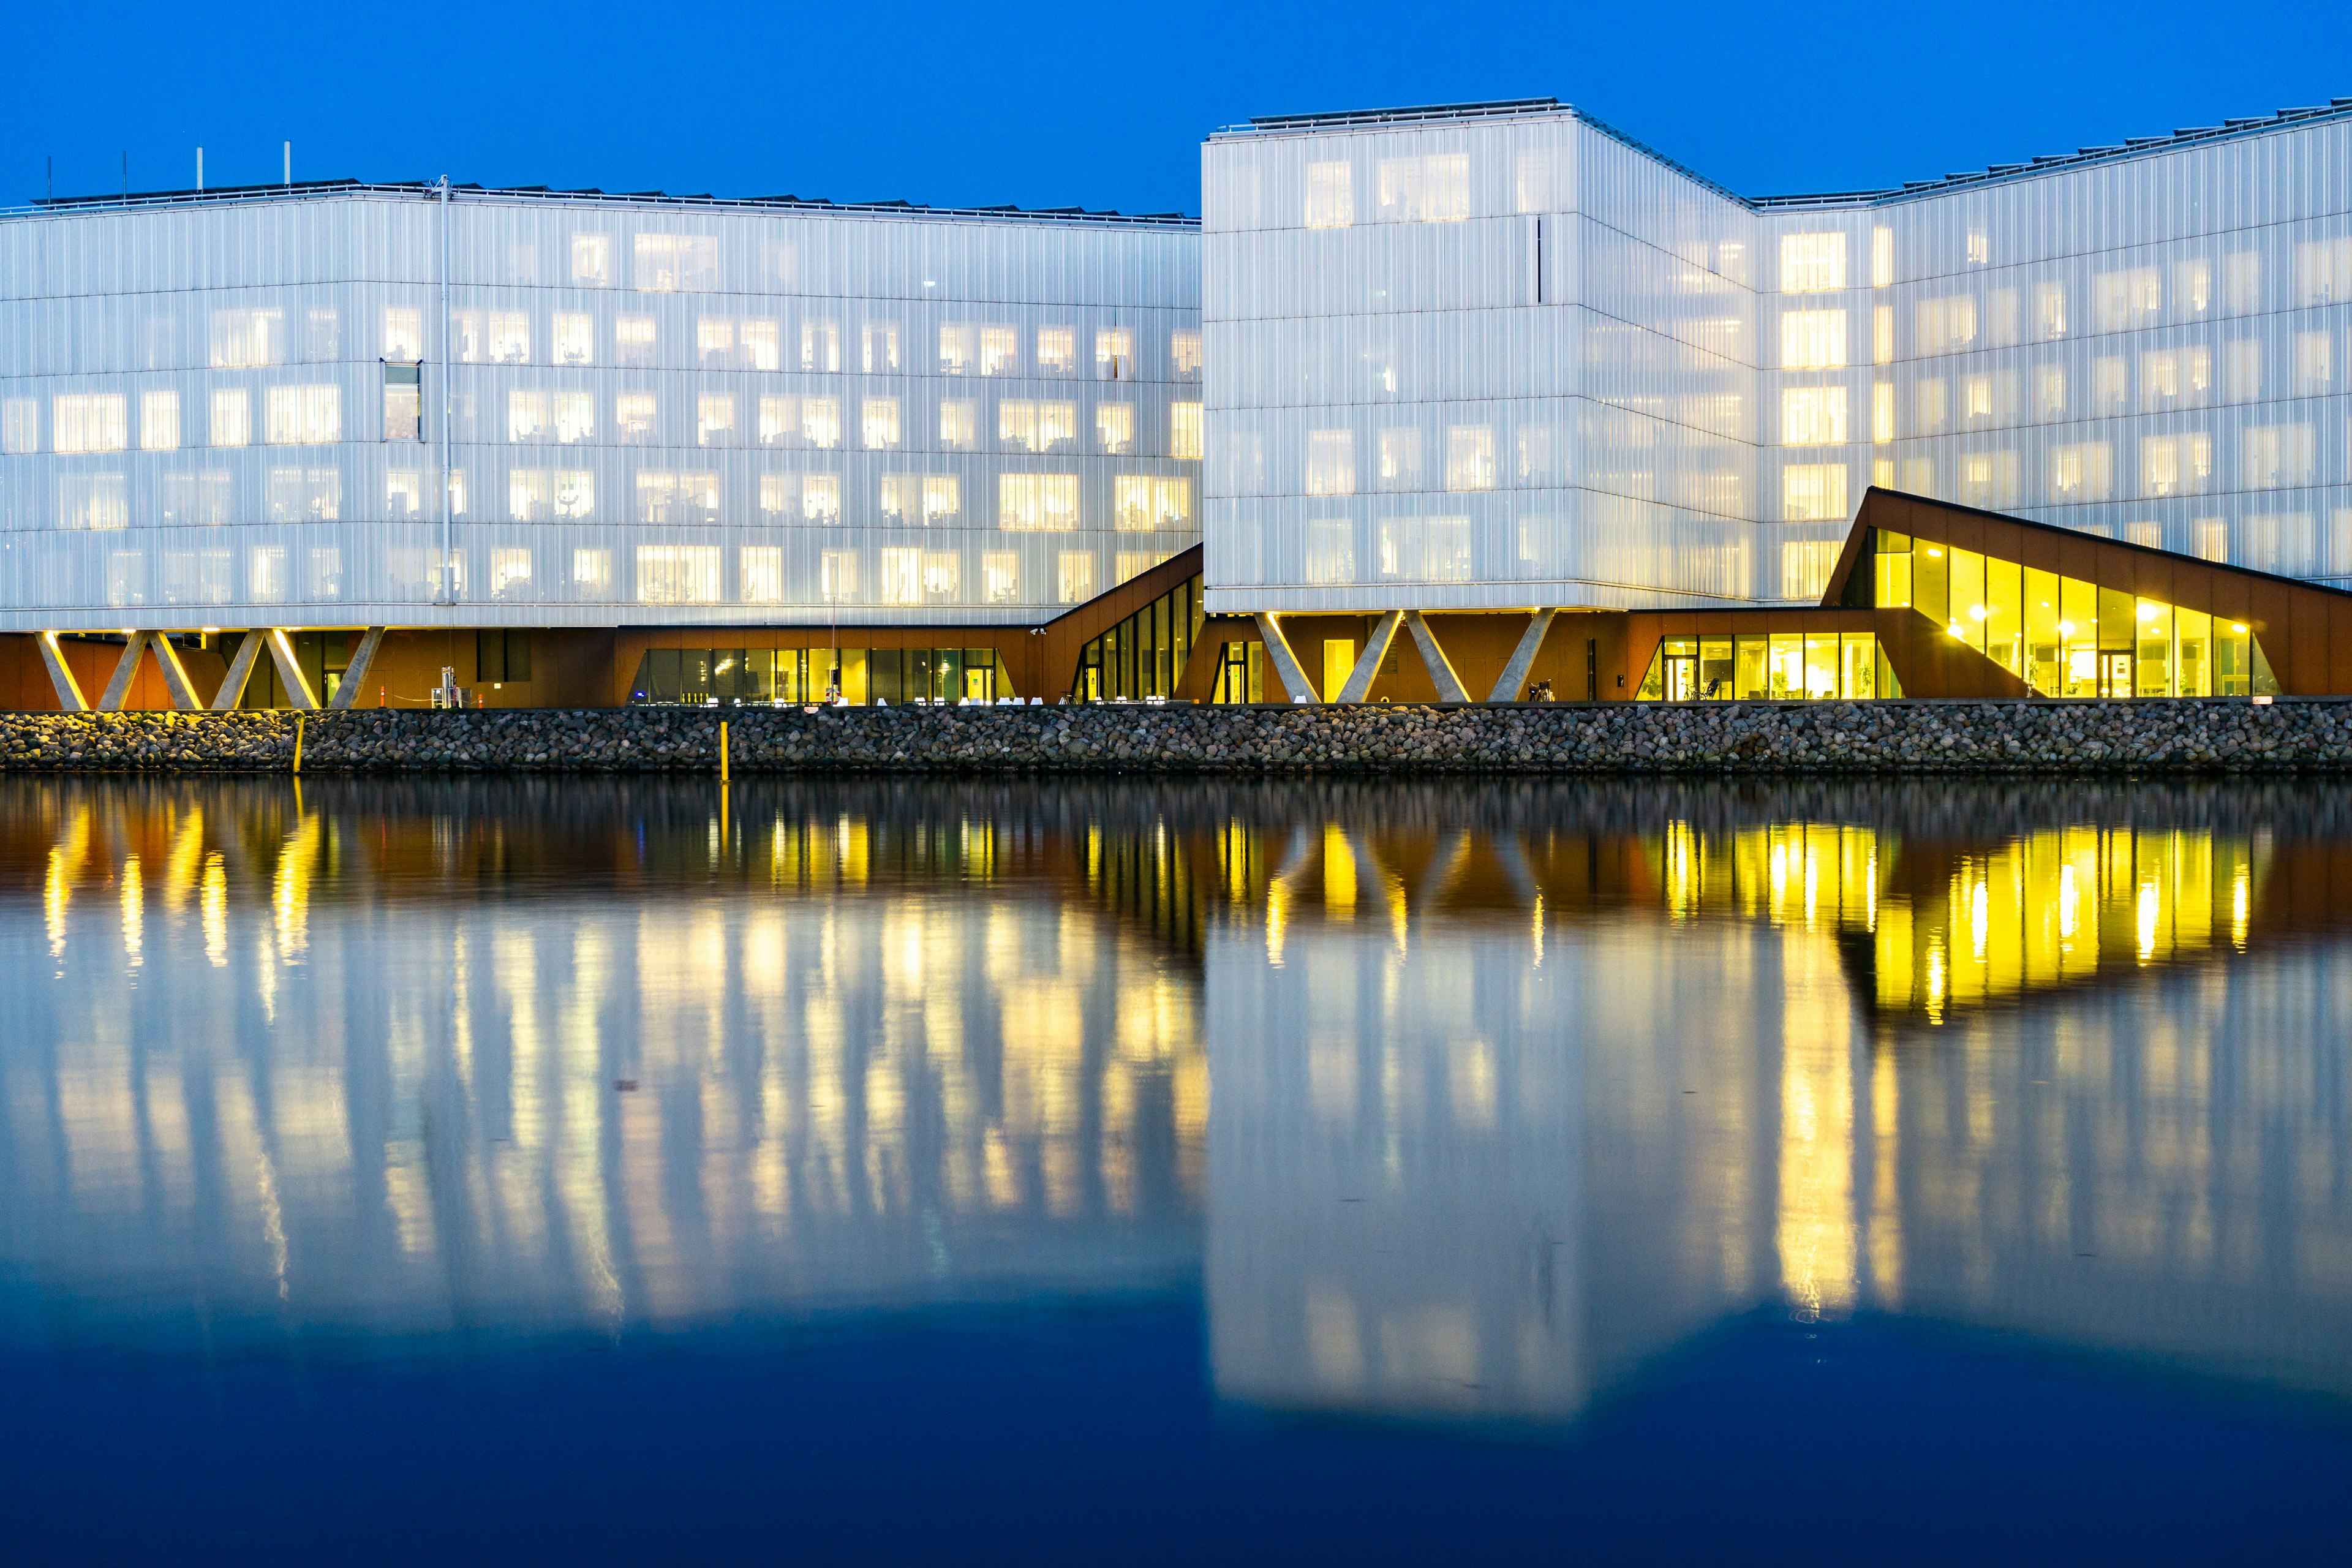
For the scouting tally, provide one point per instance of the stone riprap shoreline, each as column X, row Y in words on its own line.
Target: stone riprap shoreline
column 2191, row 736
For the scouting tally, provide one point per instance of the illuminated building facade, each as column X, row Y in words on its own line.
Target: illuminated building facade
column 1492, row 356
column 463, row 414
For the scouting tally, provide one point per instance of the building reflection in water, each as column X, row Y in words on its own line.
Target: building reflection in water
column 1515, row 1087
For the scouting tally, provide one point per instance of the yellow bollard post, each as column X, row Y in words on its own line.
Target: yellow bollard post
column 722, row 751
column 297, row 745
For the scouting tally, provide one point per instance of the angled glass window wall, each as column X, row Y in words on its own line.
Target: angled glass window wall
column 2063, row 637
column 1769, row 667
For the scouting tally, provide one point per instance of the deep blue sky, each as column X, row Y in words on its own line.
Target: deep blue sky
column 1099, row 106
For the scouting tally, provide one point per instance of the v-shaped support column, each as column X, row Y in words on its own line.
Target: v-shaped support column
column 240, row 672
column 1368, row 667
column 1523, row 659
column 1285, row 663
column 1441, row 669
column 61, row 676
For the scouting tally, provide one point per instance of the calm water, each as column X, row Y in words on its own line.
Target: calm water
column 980, row 1172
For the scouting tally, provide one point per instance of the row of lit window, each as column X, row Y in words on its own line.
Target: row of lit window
column 305, row 415
column 1469, row 458
column 2064, row 637
column 2121, row 299
column 1025, row 503
column 1769, row 667
column 696, row 677
column 665, row 574
column 257, row 337
column 1816, row 340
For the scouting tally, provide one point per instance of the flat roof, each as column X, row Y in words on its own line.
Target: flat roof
column 302, row 190
column 2129, row 147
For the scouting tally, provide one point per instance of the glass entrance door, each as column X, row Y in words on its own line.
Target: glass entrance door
column 1682, row 677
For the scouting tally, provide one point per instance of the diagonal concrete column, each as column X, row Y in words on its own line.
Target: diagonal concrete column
column 362, row 658
column 289, row 670
column 175, row 674
column 1523, row 659
column 1376, row 647
column 126, row 671
column 69, row 697
column 1285, row 663
column 240, row 670
column 1441, row 669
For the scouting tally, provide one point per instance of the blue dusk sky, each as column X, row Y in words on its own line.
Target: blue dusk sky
column 1099, row 106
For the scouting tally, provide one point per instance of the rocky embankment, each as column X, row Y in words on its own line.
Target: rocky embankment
column 2215, row 735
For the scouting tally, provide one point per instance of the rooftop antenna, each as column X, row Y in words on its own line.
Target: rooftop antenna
column 200, row 168
column 53, row 176
column 289, row 163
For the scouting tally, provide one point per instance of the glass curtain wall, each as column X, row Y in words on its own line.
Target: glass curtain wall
column 1144, row 655
column 2063, row 637
column 1775, row 667
column 703, row 678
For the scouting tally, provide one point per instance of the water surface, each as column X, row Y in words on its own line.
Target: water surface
column 1012, row 1171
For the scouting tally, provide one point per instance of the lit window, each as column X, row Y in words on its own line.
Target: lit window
column 879, row 423
column 2129, row 299
column 1931, row 405
column 1000, row 351
column 90, row 422
column 958, row 425
column 821, row 422
column 574, row 337
column 1114, row 355
column 2323, row 272
column 1813, row 493
column 1184, row 430
column 232, row 421
column 714, row 343
column 1806, row 566
column 98, row 501
column 1812, row 263
column 821, row 498
column 1400, row 458
column 2084, row 472
column 592, row 260
column 1078, row 576
column 2276, row 456
column 2050, row 311
column 404, row 332
column 158, row 421
column 1946, row 325
column 779, row 421
column 592, row 573
column 510, row 574
column 632, row 418
column 714, row 420
column 1184, row 356
column 247, row 339
column 575, row 417
column 676, row 263
column 955, row 349
column 305, row 495
column 1881, row 411
column 999, row 572
column 633, row 340
column 676, row 498
column 902, row 576
column 572, row 493
column 305, row 415
column 1976, row 400
column 1431, row 189
column 760, row 569
column 1058, row 351
column 776, row 494
column 1812, row 416
column 761, row 347
column 879, row 347
column 942, row 498
column 1469, row 458
column 1881, row 334
column 526, row 418
column 1037, row 426
column 1115, row 426
column 2050, row 392
column 821, row 345
column 1330, row 462
column 943, row 575
column 1812, row 340
column 677, row 574
column 2311, row 366
column 509, row 337
column 1330, row 195
column 1882, row 257
column 527, row 495
column 1142, row 503
column 2193, row 286
column 1027, row 503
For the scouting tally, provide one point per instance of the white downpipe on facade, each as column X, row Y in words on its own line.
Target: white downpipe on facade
column 447, row 590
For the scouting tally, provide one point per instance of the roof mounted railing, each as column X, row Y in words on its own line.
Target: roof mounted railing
column 2129, row 147
column 312, row 190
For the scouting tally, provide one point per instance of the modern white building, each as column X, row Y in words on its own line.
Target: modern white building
column 420, row 407
column 1501, row 355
